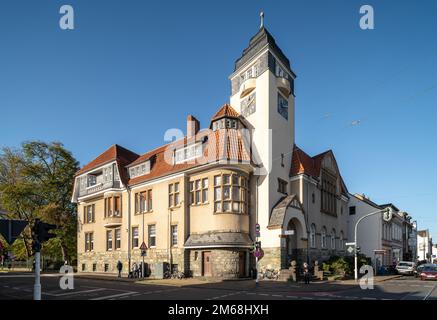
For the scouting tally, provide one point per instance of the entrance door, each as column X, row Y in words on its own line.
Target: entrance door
column 207, row 264
column 242, row 263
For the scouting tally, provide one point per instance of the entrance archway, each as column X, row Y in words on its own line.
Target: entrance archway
column 293, row 233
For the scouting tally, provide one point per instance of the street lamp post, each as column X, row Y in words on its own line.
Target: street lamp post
column 386, row 218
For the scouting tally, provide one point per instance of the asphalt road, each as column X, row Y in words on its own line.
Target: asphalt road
column 20, row 286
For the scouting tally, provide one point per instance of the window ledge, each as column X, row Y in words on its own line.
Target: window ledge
column 230, row 212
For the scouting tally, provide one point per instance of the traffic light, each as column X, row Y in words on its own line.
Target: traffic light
column 258, row 245
column 41, row 231
column 358, row 249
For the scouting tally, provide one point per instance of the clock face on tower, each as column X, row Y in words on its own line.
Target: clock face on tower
column 282, row 106
column 248, row 105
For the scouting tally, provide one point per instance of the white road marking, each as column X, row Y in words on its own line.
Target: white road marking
column 368, row 298
column 116, row 295
column 276, row 295
column 73, row 292
column 292, row 297
column 429, row 293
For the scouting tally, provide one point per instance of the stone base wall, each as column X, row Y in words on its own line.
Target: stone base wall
column 110, row 259
column 271, row 259
column 225, row 263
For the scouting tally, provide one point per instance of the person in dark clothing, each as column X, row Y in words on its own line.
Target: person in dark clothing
column 119, row 268
column 306, row 273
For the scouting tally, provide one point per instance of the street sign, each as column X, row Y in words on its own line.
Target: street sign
column 289, row 232
column 11, row 229
column 350, row 243
column 350, row 249
column 258, row 254
column 143, row 246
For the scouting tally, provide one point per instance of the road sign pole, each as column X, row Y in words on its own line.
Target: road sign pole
column 37, row 286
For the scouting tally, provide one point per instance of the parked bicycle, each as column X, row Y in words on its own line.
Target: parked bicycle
column 270, row 274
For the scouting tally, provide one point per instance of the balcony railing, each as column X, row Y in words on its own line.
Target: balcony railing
column 98, row 187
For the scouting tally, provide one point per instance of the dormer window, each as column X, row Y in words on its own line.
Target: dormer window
column 188, row 153
column 139, row 170
column 225, row 123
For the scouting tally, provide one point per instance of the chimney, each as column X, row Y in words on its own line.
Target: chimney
column 193, row 126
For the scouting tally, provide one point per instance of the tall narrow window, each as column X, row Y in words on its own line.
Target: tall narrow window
column 89, row 241
column 323, row 237
column 117, row 206
column 174, row 235
column 333, row 239
column 152, row 235
column 109, row 240
column 329, row 194
column 282, row 186
column 341, row 241
column 143, row 201
column 89, row 215
column 173, row 194
column 313, row 236
column 117, row 238
column 135, row 237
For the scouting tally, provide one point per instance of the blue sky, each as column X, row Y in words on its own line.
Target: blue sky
column 132, row 69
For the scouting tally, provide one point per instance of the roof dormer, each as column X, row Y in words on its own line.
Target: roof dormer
column 225, row 118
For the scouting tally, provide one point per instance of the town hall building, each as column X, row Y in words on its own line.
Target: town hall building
column 196, row 202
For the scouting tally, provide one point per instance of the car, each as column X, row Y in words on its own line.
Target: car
column 420, row 267
column 429, row 272
column 405, row 267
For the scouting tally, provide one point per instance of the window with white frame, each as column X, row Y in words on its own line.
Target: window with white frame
column 89, row 241
column 135, row 237
column 230, row 193
column 188, row 153
column 109, row 240
column 323, row 237
column 174, row 235
column 89, row 213
column 152, row 235
column 117, row 238
column 313, row 236
column 139, row 170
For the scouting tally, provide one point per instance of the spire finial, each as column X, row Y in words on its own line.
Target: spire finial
column 262, row 19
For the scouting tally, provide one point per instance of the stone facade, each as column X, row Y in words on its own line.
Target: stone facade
column 225, row 263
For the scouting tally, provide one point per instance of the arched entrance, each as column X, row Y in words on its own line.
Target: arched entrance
column 292, row 240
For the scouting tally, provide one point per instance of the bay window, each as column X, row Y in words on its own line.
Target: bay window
column 230, row 193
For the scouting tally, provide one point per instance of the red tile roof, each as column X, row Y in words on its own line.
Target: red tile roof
column 303, row 163
column 224, row 144
column 225, row 111
column 114, row 153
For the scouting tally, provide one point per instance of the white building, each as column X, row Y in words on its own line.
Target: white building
column 424, row 245
column 380, row 240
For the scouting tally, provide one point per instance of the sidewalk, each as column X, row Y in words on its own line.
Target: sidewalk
column 376, row 279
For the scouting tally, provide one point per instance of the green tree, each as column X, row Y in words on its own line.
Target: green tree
column 37, row 182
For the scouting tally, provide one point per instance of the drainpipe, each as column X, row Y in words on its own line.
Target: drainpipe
column 128, row 227
column 170, row 256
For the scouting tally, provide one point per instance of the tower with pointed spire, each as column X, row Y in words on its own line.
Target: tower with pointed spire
column 262, row 91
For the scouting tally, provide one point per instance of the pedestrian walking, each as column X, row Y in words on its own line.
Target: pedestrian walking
column 119, row 268
column 306, row 273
